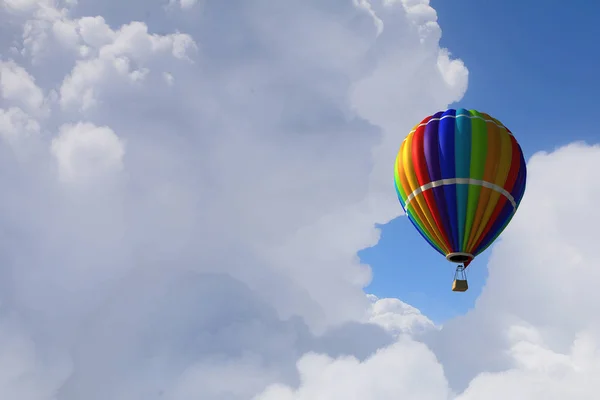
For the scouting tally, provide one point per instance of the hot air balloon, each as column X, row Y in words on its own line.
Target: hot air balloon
column 460, row 177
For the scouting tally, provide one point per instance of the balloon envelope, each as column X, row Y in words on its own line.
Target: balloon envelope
column 460, row 177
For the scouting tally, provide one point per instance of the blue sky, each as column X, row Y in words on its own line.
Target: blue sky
column 531, row 65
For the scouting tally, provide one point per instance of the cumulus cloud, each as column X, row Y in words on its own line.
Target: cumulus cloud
column 185, row 189
column 542, row 373
column 15, row 123
column 398, row 317
column 18, row 87
column 389, row 374
column 85, row 151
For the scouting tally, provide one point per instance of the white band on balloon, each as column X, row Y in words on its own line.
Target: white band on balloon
column 460, row 116
column 460, row 181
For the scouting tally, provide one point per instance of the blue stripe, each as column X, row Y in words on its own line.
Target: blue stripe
column 519, row 189
column 431, row 149
column 448, row 170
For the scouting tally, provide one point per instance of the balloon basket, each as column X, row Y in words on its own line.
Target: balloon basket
column 460, row 283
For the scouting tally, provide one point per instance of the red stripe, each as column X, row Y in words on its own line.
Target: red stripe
column 426, row 120
column 420, row 165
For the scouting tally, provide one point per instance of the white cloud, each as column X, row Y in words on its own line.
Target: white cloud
column 85, row 151
column 120, row 57
column 405, row 370
column 18, row 87
column 14, row 123
column 220, row 244
column 224, row 249
column 398, row 317
column 541, row 373
column 185, row 4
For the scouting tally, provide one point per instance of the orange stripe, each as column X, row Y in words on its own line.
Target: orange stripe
column 489, row 174
column 504, row 161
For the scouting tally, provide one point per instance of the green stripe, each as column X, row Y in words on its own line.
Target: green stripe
column 399, row 184
column 478, row 157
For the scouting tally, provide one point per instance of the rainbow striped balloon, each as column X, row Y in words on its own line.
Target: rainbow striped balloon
column 460, row 177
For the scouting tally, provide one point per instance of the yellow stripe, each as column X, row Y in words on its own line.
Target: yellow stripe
column 403, row 174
